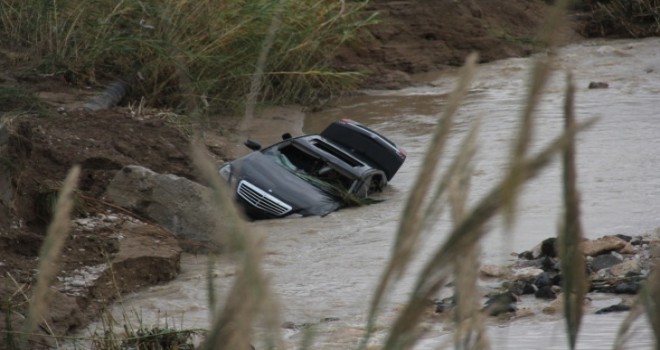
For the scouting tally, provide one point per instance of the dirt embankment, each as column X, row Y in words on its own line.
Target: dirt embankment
column 421, row 36
column 412, row 37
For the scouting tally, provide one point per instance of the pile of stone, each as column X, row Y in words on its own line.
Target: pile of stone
column 615, row 264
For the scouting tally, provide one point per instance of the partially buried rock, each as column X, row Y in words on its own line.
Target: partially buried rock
column 501, row 303
column 614, row 308
column 598, row 85
column 604, row 261
column 602, row 245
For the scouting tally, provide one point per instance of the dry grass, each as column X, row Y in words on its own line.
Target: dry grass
column 250, row 299
column 189, row 54
column 49, row 255
column 638, row 19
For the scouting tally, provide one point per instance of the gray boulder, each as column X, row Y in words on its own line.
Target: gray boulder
column 182, row 206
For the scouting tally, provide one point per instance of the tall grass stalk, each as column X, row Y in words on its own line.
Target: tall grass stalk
column 411, row 221
column 470, row 332
column 257, row 77
column 646, row 303
column 250, row 295
column 540, row 74
column 650, row 299
column 573, row 264
column 50, row 253
column 623, row 334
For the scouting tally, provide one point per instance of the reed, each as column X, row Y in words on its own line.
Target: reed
column 636, row 18
column 148, row 43
column 214, row 66
column 49, row 255
column 573, row 264
column 249, row 296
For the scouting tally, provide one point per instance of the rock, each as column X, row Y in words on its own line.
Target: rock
column 527, row 254
column 557, row 305
column 602, row 245
column 543, row 280
column 547, row 292
column 629, row 248
column 598, row 85
column 614, row 308
column 549, row 264
column 488, row 270
column 604, row 261
column 527, row 273
column 520, row 287
column 520, row 313
column 501, row 303
column 627, row 288
column 147, row 255
column 444, row 305
column 625, row 268
column 549, row 247
column 182, row 206
column 625, row 237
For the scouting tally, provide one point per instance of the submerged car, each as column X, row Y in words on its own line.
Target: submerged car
column 313, row 174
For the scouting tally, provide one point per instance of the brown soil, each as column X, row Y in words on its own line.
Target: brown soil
column 412, row 37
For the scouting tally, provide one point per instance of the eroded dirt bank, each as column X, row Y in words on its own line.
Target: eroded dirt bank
column 412, row 37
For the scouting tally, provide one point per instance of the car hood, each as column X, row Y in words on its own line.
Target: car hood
column 305, row 198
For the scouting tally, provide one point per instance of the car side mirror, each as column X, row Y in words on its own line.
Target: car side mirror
column 253, row 145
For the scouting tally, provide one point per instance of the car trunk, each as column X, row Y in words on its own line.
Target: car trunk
column 367, row 145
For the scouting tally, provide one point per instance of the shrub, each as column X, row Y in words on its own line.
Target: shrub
column 185, row 52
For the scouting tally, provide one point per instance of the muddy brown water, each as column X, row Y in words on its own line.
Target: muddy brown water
column 327, row 267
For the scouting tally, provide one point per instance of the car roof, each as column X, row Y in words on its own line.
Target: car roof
column 329, row 152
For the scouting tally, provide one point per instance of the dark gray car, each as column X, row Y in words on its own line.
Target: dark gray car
column 313, row 174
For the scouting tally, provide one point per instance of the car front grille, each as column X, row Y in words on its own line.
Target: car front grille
column 261, row 199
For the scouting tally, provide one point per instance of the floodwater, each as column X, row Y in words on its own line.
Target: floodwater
column 322, row 268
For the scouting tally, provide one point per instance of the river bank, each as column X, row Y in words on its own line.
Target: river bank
column 41, row 150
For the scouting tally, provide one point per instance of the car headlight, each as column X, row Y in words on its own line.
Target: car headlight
column 226, row 172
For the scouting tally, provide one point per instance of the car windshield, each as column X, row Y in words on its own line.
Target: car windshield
column 311, row 169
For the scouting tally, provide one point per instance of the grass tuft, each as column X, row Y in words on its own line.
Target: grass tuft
column 184, row 53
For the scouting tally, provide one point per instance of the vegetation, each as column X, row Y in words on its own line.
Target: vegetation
column 184, row 53
column 171, row 64
column 636, row 19
column 17, row 100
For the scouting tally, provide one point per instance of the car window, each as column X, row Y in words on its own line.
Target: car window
column 309, row 168
column 335, row 152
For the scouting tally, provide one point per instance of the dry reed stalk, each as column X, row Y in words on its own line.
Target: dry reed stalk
column 249, row 295
column 647, row 302
column 411, row 222
column 650, row 298
column 470, row 332
column 257, row 78
column 539, row 77
column 573, row 265
column 49, row 254
column 636, row 310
